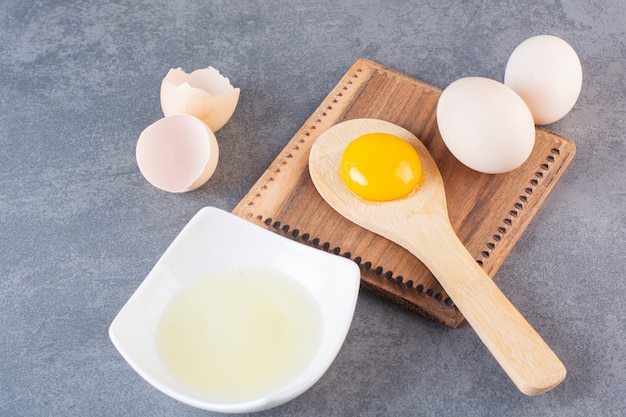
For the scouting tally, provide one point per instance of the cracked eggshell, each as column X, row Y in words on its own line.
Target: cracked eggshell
column 204, row 93
column 177, row 153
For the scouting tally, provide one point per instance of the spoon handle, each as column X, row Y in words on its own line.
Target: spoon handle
column 518, row 348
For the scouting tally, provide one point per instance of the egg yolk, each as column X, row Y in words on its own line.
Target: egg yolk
column 380, row 167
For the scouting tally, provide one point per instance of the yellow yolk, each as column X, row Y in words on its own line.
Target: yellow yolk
column 380, row 167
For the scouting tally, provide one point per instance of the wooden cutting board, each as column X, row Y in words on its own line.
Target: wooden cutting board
column 488, row 212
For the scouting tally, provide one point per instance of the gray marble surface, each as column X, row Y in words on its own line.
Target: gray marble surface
column 80, row 227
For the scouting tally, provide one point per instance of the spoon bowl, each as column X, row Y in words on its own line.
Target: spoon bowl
column 419, row 223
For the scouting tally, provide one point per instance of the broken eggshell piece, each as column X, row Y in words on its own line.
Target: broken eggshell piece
column 177, row 153
column 204, row 93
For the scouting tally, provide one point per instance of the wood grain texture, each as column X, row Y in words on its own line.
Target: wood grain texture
column 488, row 212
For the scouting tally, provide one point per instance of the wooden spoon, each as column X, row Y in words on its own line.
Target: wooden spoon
column 420, row 224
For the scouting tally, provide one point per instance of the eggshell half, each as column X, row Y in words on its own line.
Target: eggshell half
column 546, row 72
column 177, row 153
column 204, row 93
column 485, row 125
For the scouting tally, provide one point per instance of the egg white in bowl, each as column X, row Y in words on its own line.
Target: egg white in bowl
column 215, row 241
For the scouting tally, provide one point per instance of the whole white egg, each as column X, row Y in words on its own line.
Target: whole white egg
column 485, row 125
column 546, row 72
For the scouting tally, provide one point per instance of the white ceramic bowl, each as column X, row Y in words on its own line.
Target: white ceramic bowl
column 215, row 240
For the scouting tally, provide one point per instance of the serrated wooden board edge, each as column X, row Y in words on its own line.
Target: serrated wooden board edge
column 488, row 212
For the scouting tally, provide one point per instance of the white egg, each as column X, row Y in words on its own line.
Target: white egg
column 204, row 93
column 546, row 72
column 177, row 153
column 485, row 125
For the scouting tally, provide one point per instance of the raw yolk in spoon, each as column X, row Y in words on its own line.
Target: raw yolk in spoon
column 380, row 167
